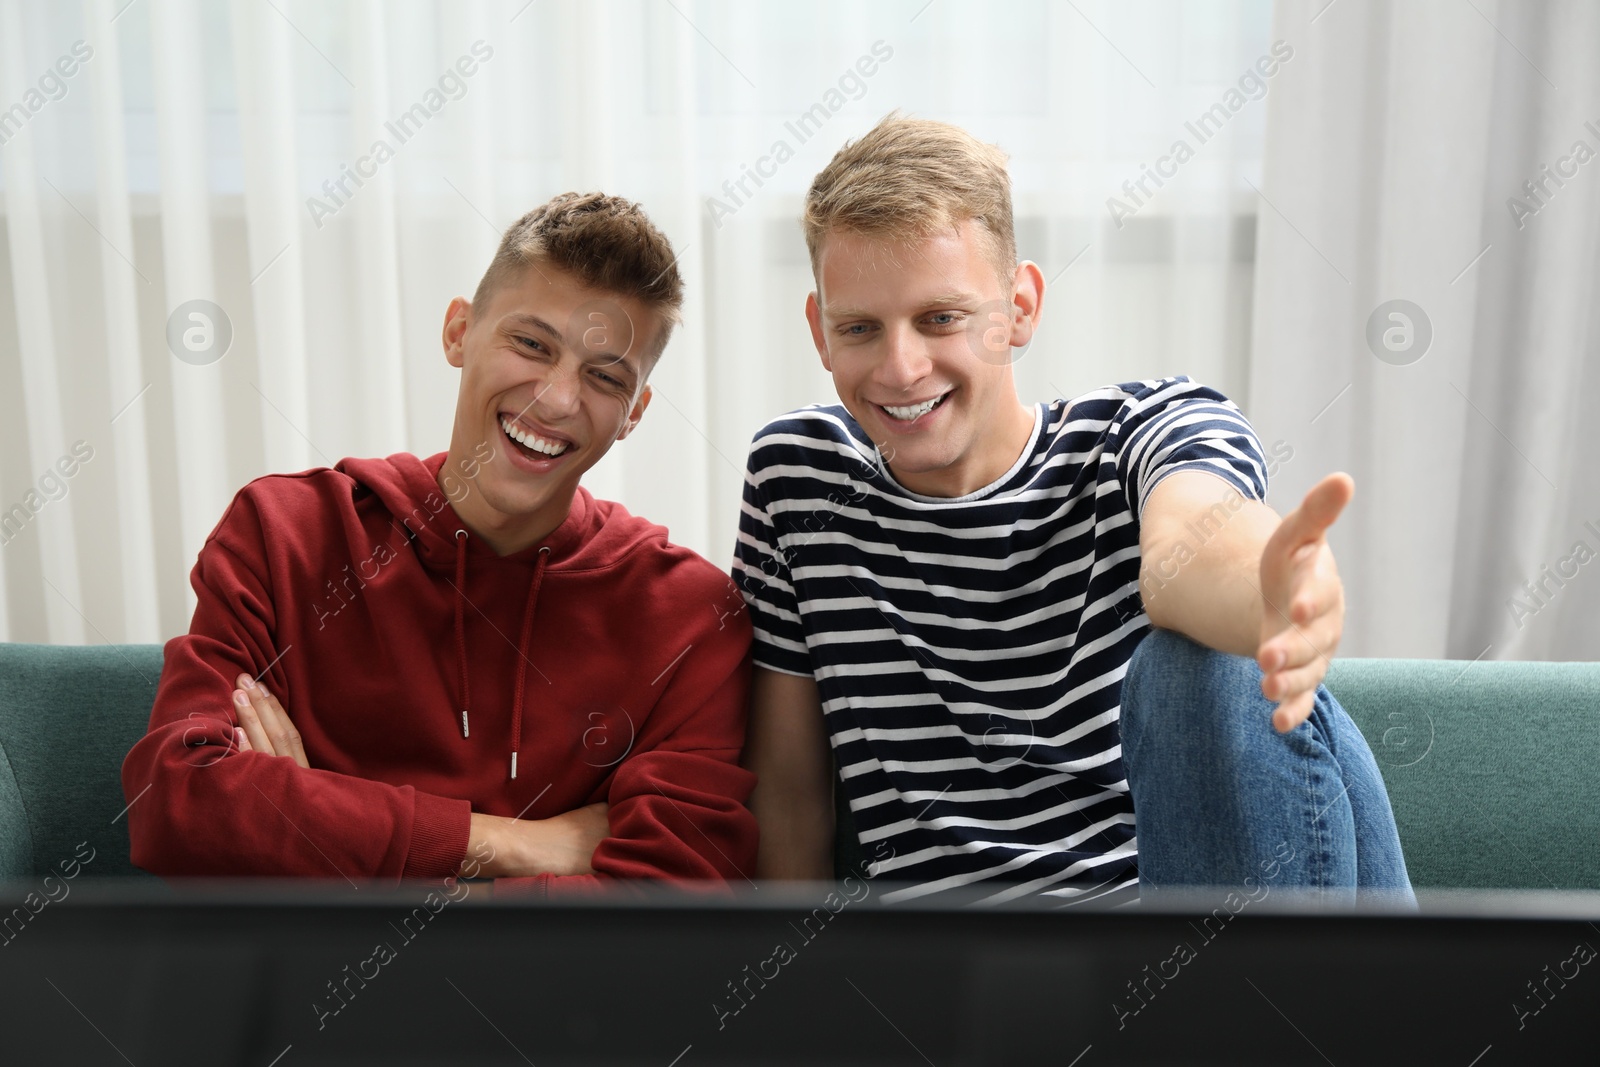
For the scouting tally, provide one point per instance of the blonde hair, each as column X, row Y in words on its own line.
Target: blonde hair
column 908, row 178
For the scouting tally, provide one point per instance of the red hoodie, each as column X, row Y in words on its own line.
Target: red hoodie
column 604, row 664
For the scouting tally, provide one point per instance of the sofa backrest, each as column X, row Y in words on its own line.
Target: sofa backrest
column 68, row 715
column 1490, row 766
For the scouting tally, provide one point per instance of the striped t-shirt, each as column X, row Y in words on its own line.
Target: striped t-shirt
column 969, row 652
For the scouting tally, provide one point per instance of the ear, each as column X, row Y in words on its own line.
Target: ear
column 637, row 413
column 814, row 317
column 457, row 318
column 1027, row 300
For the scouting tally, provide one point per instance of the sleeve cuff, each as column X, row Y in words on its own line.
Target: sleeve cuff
column 1240, row 484
column 440, row 827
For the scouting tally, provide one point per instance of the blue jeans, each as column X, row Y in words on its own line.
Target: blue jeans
column 1221, row 799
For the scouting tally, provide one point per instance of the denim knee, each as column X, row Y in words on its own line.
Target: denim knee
column 1181, row 693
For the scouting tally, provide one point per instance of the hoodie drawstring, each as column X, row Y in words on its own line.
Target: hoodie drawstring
column 461, row 629
column 522, row 655
column 522, row 644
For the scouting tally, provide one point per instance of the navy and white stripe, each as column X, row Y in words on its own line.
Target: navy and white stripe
column 970, row 652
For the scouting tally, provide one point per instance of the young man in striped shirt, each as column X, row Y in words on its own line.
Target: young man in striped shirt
column 957, row 592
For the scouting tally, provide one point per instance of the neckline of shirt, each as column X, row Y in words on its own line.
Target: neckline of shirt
column 994, row 487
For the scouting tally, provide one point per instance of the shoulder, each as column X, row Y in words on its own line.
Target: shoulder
column 1160, row 393
column 647, row 551
column 1112, row 404
column 280, row 526
column 810, row 452
column 822, row 435
column 1135, row 408
column 829, row 421
column 667, row 590
column 276, row 500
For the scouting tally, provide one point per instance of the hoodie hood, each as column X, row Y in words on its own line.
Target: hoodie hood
column 408, row 487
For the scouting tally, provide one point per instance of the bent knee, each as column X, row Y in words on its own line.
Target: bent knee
column 1170, row 663
column 1168, row 650
column 1175, row 685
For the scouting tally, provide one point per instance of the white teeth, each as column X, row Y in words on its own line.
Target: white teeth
column 916, row 411
column 533, row 441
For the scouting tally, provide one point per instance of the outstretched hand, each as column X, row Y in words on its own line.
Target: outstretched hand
column 263, row 724
column 1302, row 613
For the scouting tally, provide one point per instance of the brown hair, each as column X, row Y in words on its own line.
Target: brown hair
column 908, row 178
column 605, row 242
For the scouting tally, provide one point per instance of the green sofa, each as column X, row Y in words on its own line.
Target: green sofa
column 1491, row 767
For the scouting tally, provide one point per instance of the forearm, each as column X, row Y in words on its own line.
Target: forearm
column 493, row 849
column 499, row 847
column 796, row 834
column 786, row 747
column 249, row 814
column 1209, row 589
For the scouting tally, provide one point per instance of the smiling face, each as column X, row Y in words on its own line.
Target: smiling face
column 553, row 374
column 917, row 335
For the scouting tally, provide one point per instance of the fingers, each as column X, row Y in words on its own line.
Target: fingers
column 1311, row 620
column 1286, row 685
column 1294, row 663
column 267, row 726
column 288, row 734
column 1301, row 632
column 255, row 734
column 1296, row 646
column 1322, row 506
column 1298, row 540
column 1312, row 597
column 1292, row 713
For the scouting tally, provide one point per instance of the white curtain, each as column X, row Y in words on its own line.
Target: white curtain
column 178, row 160
column 1396, row 163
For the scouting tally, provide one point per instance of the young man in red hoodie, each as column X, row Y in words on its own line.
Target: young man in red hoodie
column 486, row 670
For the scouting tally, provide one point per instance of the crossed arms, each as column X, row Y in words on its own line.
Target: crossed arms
column 498, row 847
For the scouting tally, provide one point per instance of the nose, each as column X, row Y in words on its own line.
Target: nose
column 558, row 393
column 905, row 359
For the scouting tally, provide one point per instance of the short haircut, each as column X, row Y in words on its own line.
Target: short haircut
column 605, row 242
column 908, row 178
